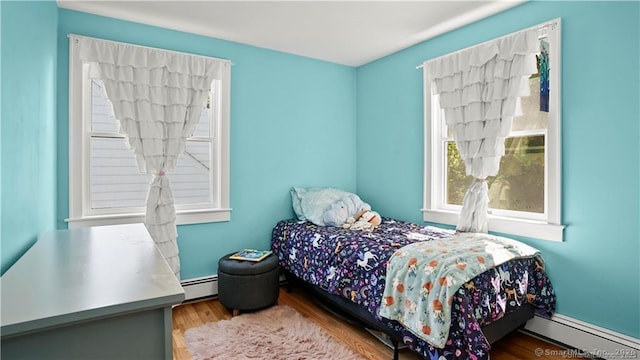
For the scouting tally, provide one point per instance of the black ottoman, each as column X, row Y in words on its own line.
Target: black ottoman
column 248, row 285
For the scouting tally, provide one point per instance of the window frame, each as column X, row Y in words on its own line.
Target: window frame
column 545, row 226
column 80, row 133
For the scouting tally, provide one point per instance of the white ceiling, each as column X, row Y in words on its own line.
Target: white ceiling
column 345, row 32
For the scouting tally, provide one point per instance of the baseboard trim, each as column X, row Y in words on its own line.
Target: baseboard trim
column 597, row 341
column 202, row 287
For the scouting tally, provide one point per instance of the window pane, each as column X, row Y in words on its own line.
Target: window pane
column 457, row 179
column 102, row 118
column 116, row 183
column 202, row 129
column 519, row 185
column 208, row 108
column 191, row 180
column 532, row 118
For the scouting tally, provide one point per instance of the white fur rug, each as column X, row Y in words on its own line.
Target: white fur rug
column 276, row 333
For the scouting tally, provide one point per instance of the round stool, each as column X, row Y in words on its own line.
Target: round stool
column 248, row 285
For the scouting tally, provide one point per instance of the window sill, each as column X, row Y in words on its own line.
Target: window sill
column 184, row 217
column 520, row 227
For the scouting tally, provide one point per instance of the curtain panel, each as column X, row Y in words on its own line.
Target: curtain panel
column 480, row 89
column 157, row 98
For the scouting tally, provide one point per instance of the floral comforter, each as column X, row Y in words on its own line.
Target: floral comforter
column 353, row 264
column 426, row 274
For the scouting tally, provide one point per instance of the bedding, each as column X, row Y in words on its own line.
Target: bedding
column 353, row 264
column 425, row 275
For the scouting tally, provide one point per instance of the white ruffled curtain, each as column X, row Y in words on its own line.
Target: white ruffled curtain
column 480, row 90
column 157, row 96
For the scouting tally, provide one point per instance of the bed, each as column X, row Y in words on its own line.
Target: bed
column 348, row 269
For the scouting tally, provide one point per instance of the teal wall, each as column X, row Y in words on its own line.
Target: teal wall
column 29, row 174
column 292, row 124
column 595, row 270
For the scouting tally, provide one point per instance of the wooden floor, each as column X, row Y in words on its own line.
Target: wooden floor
column 517, row 346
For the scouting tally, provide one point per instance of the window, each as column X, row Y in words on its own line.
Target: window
column 524, row 198
column 105, row 186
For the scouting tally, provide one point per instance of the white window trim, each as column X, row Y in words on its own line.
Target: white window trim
column 79, row 161
column 549, row 228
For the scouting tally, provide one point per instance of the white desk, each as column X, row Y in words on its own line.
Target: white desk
column 90, row 293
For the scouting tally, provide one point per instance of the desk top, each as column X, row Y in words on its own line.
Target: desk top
column 80, row 274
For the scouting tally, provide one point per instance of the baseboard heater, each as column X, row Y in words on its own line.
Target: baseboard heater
column 203, row 287
column 586, row 338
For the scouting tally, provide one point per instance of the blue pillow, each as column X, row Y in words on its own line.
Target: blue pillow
column 311, row 203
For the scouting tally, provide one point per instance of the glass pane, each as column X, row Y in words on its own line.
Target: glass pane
column 519, row 185
column 457, row 180
column 208, row 110
column 202, row 129
column 532, row 118
column 102, row 118
column 116, row 183
column 191, row 180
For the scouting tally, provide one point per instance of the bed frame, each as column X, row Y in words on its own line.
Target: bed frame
column 359, row 316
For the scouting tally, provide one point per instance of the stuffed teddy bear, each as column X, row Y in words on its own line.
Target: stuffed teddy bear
column 350, row 206
column 371, row 217
column 366, row 220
